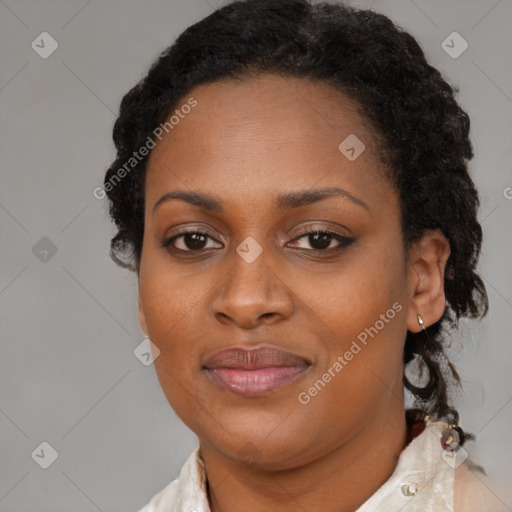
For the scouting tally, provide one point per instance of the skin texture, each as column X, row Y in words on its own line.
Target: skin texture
column 246, row 143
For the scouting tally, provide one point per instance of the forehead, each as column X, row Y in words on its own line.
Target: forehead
column 265, row 132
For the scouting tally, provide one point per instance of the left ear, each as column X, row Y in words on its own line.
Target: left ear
column 427, row 263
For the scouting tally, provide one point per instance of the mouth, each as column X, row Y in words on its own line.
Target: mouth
column 254, row 372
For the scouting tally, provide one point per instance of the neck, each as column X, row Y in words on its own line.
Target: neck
column 340, row 481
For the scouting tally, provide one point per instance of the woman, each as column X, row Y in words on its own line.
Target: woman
column 291, row 188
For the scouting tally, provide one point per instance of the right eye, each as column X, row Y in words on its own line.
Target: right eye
column 189, row 241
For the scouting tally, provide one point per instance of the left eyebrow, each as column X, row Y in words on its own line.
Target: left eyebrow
column 305, row 197
column 289, row 200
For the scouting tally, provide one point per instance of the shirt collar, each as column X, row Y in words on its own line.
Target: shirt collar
column 422, row 480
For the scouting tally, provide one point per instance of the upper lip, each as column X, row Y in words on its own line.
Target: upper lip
column 254, row 358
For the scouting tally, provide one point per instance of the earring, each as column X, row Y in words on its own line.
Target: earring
column 421, row 322
column 453, row 438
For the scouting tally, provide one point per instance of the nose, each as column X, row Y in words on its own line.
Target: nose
column 252, row 294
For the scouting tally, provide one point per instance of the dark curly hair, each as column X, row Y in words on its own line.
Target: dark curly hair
column 421, row 134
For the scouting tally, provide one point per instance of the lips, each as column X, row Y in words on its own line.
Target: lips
column 254, row 372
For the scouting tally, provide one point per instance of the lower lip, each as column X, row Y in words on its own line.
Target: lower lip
column 255, row 382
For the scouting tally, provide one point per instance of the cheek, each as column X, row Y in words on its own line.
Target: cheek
column 173, row 317
column 358, row 294
column 363, row 307
column 172, row 308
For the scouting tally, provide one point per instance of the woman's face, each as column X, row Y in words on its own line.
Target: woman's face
column 263, row 168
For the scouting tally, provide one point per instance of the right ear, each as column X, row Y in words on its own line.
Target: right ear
column 142, row 319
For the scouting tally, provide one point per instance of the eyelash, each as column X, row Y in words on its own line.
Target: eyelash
column 343, row 240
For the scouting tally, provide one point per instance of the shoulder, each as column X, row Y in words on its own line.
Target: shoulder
column 472, row 492
column 187, row 492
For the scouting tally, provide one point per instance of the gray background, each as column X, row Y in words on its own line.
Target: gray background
column 68, row 374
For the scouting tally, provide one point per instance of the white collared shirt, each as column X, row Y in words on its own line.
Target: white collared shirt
column 426, row 479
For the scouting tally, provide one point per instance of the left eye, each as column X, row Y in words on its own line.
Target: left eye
column 322, row 240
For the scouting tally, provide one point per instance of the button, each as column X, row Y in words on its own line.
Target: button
column 409, row 489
